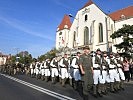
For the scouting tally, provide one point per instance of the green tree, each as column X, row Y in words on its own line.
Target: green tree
column 50, row 54
column 126, row 46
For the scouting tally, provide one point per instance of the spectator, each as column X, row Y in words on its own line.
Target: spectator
column 126, row 69
column 131, row 69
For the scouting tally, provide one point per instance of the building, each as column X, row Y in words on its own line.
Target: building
column 92, row 27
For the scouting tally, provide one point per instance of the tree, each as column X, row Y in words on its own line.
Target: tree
column 126, row 46
column 50, row 54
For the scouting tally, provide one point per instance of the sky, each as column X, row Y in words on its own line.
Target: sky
column 30, row 25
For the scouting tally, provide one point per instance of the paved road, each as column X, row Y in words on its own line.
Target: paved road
column 23, row 87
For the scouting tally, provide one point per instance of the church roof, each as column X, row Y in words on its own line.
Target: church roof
column 126, row 13
column 87, row 4
column 65, row 24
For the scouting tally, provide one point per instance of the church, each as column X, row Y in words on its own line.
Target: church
column 92, row 27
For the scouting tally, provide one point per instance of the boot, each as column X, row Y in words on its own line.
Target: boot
column 46, row 78
column 100, row 89
column 60, row 80
column 42, row 78
column 63, row 82
column 95, row 91
column 53, row 80
column 122, row 85
column 70, row 82
column 85, row 97
column 75, row 85
column 112, row 87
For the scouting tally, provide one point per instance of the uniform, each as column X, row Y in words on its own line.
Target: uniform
column 32, row 67
column 97, row 76
column 47, row 69
column 42, row 70
column 37, row 68
column 105, row 73
column 120, row 71
column 113, row 72
column 76, row 71
column 85, row 63
column 54, row 69
column 64, row 69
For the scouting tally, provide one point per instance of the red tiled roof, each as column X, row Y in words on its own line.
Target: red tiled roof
column 65, row 21
column 127, row 12
column 87, row 4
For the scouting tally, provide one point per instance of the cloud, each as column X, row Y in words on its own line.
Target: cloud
column 23, row 27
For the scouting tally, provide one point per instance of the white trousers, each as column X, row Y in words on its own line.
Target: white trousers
column 114, row 75
column 31, row 71
column 37, row 71
column 76, row 74
column 47, row 72
column 54, row 72
column 64, row 73
column 42, row 72
column 121, row 73
column 97, row 77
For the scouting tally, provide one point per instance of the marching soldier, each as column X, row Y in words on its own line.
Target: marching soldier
column 42, row 70
column 32, row 67
column 120, row 71
column 64, row 69
column 47, row 69
column 98, row 75
column 76, row 70
column 105, row 72
column 114, row 75
column 86, row 67
column 37, row 67
column 54, row 70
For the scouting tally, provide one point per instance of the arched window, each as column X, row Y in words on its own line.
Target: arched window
column 86, row 17
column 100, row 32
column 74, row 39
column 86, row 36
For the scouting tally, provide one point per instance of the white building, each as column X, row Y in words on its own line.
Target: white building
column 92, row 27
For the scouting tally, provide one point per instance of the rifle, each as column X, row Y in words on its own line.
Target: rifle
column 101, row 68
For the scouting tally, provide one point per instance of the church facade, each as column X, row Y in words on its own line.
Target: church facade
column 92, row 27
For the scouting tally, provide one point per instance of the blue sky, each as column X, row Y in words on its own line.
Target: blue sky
column 30, row 25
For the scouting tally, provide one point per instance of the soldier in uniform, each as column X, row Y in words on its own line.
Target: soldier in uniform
column 120, row 71
column 37, row 67
column 42, row 70
column 54, row 69
column 76, row 70
column 47, row 69
column 97, row 76
column 114, row 75
column 32, row 67
column 86, row 67
column 64, row 69
column 105, row 72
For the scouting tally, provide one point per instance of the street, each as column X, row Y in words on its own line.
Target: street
column 22, row 87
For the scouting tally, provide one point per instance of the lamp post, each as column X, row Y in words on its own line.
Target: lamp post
column 106, row 22
column 77, row 41
column 17, row 57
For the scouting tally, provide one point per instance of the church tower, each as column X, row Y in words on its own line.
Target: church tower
column 62, row 33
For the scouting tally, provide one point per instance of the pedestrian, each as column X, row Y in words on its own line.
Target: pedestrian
column 126, row 69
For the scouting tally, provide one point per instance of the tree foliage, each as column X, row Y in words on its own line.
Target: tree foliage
column 126, row 46
column 50, row 54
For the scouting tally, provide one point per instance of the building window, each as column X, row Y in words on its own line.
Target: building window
column 86, row 36
column 74, row 39
column 60, row 33
column 100, row 32
column 86, row 17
